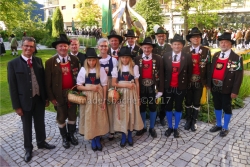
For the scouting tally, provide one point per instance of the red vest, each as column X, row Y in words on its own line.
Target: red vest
column 196, row 61
column 220, row 68
column 147, row 69
column 175, row 73
column 67, row 78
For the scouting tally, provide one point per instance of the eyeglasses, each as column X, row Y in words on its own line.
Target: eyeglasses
column 103, row 46
column 28, row 46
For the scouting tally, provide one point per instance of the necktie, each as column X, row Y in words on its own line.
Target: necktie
column 146, row 57
column 175, row 56
column 130, row 48
column 114, row 52
column 29, row 63
column 63, row 60
column 223, row 54
column 193, row 51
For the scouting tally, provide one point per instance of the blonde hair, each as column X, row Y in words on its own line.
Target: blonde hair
column 97, row 67
column 131, row 65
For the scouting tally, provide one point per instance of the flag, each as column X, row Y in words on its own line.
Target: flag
column 107, row 21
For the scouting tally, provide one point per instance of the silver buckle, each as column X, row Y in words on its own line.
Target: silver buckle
column 195, row 78
column 217, row 82
column 147, row 82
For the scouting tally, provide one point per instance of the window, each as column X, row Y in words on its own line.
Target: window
column 63, row 7
column 74, row 6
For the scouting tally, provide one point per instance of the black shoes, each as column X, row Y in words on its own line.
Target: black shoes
column 123, row 144
column 28, row 156
column 187, row 126
column 223, row 132
column 141, row 132
column 131, row 143
column 176, row 133
column 71, row 135
column 152, row 132
column 169, row 131
column 215, row 128
column 65, row 141
column 193, row 125
column 46, row 146
column 163, row 122
column 99, row 148
column 111, row 136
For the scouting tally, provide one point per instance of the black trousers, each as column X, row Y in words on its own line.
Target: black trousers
column 194, row 93
column 174, row 96
column 162, row 113
column 222, row 102
column 147, row 94
column 37, row 112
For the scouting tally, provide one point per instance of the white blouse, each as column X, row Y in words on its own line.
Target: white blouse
column 105, row 61
column 81, row 76
column 125, row 68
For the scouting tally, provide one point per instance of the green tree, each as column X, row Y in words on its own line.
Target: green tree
column 196, row 12
column 57, row 23
column 150, row 10
column 89, row 13
column 13, row 12
column 48, row 26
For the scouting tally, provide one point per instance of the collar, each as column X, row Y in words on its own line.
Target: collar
column 178, row 58
column 196, row 49
column 74, row 54
column 161, row 45
column 112, row 50
column 130, row 45
column 227, row 53
column 25, row 58
column 149, row 56
column 107, row 58
column 67, row 58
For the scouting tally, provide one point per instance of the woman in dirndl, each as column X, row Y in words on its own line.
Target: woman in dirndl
column 92, row 81
column 127, row 112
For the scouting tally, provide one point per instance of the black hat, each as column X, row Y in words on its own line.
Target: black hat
column 62, row 39
column 130, row 33
column 125, row 51
column 177, row 38
column 113, row 34
column 161, row 30
column 193, row 32
column 148, row 41
column 226, row 36
column 91, row 53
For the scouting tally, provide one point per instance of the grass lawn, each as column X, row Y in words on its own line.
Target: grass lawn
column 5, row 103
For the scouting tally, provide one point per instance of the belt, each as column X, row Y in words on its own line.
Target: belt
column 195, row 78
column 147, row 82
column 217, row 82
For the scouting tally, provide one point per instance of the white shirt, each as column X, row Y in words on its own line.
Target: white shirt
column 149, row 57
column 116, row 51
column 178, row 58
column 26, row 59
column 65, row 58
column 133, row 46
column 74, row 54
column 196, row 49
column 227, row 53
column 161, row 44
column 80, row 80
column 125, row 68
column 105, row 61
column 1, row 40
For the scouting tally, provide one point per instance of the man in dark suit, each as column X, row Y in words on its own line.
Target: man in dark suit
column 114, row 42
column 161, row 48
column 151, row 83
column 201, row 66
column 131, row 42
column 74, row 50
column 60, row 73
column 28, row 95
column 178, row 71
column 224, row 81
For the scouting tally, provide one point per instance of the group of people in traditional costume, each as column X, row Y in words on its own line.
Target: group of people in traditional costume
column 143, row 74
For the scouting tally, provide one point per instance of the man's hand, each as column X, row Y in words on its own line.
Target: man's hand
column 54, row 102
column 233, row 96
column 19, row 112
column 47, row 103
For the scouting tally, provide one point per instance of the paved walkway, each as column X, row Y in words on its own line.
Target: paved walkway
column 192, row 149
